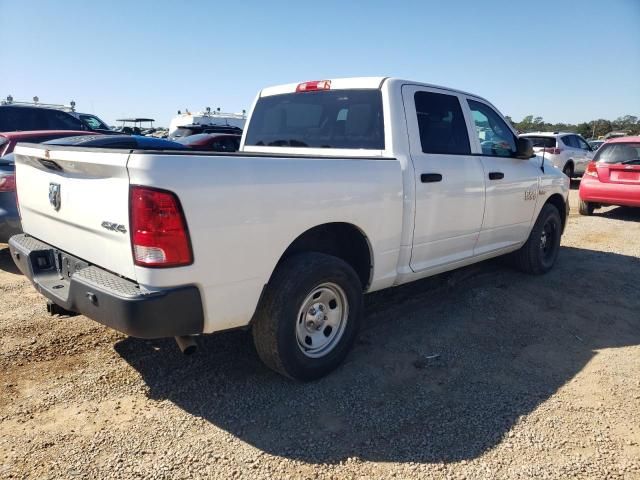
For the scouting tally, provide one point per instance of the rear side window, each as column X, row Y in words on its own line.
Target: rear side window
column 319, row 119
column 62, row 121
column 441, row 124
column 20, row 118
column 542, row 142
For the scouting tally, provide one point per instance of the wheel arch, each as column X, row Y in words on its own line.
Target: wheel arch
column 340, row 239
column 558, row 201
column 571, row 163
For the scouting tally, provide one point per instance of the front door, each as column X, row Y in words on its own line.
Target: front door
column 449, row 188
column 511, row 183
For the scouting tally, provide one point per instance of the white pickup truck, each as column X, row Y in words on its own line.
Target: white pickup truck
column 340, row 187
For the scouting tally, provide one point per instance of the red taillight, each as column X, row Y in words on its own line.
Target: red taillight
column 552, row 150
column 7, row 182
column 591, row 170
column 313, row 86
column 159, row 235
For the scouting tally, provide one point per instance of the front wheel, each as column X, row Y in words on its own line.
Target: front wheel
column 309, row 317
column 539, row 253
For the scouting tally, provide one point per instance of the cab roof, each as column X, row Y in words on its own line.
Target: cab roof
column 355, row 83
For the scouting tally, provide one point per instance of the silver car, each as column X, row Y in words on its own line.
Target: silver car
column 567, row 151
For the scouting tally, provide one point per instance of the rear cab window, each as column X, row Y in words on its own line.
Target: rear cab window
column 327, row 119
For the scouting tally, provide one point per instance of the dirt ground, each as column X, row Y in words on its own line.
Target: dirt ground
column 482, row 373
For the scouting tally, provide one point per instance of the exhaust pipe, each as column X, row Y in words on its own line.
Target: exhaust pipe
column 187, row 344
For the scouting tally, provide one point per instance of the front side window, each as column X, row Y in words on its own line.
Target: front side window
column 319, row 119
column 496, row 138
column 441, row 124
column 94, row 123
column 582, row 144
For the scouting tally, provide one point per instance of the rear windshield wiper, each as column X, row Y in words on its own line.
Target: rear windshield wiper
column 630, row 162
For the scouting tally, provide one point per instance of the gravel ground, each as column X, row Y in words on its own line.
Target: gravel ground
column 483, row 373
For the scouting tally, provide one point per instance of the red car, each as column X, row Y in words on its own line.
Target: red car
column 212, row 142
column 613, row 177
column 8, row 140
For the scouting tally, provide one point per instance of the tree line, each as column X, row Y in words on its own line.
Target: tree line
column 593, row 129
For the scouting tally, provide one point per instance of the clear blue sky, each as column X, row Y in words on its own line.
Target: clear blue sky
column 563, row 60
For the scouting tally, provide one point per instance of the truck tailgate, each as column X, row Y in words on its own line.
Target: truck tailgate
column 78, row 201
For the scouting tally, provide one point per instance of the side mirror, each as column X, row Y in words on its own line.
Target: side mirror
column 524, row 148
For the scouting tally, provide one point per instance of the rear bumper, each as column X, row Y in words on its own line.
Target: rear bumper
column 107, row 298
column 609, row 193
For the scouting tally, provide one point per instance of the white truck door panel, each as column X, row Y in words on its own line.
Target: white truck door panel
column 511, row 183
column 449, row 185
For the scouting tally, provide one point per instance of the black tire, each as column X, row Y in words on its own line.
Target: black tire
column 568, row 170
column 586, row 208
column 275, row 326
column 539, row 253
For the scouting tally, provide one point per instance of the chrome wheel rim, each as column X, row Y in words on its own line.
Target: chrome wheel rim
column 322, row 320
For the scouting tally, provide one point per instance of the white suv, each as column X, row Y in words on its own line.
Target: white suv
column 567, row 151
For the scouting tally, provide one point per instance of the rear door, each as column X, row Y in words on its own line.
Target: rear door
column 449, row 180
column 77, row 200
column 511, row 183
column 573, row 152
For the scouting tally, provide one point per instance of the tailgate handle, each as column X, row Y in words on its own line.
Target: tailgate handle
column 430, row 177
column 50, row 164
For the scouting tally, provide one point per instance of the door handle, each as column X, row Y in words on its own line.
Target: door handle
column 496, row 175
column 430, row 177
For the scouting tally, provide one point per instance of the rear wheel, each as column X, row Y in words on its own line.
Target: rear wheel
column 568, row 170
column 539, row 253
column 309, row 316
column 586, row 208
